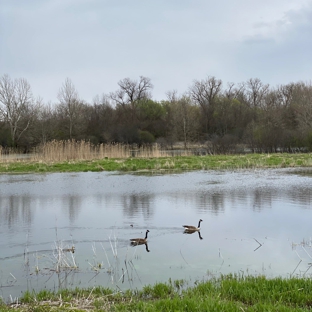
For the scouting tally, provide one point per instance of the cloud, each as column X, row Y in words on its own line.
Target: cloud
column 98, row 42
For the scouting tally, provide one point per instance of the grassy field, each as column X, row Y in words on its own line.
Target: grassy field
column 227, row 293
column 176, row 163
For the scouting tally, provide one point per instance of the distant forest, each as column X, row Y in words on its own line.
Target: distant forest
column 222, row 118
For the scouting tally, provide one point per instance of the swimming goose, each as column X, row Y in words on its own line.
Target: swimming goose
column 191, row 228
column 139, row 241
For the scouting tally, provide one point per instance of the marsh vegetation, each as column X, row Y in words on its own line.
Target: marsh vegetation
column 227, row 293
column 71, row 156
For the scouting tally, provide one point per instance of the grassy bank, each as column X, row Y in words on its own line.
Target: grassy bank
column 177, row 163
column 229, row 293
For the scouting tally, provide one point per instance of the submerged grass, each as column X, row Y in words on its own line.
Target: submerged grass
column 176, row 163
column 227, row 293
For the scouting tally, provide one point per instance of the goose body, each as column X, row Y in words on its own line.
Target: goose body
column 139, row 241
column 192, row 228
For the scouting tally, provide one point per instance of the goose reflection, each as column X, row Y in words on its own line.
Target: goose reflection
column 137, row 244
column 187, row 231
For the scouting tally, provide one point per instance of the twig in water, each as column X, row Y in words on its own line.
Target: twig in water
column 310, row 265
column 93, row 248
column 93, row 267
column 106, row 256
column 114, row 251
column 129, row 279
column 96, row 274
column 122, row 275
column 184, row 258
column 13, row 276
column 298, row 255
column 220, row 255
column 73, row 259
column 37, row 263
column 135, row 270
column 306, row 252
column 258, row 246
column 115, row 243
column 182, row 255
column 295, row 269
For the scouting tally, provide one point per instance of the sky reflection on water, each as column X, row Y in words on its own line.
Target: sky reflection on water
column 254, row 222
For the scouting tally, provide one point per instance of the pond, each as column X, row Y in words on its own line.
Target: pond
column 66, row 230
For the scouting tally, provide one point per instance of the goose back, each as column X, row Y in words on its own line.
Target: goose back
column 192, row 227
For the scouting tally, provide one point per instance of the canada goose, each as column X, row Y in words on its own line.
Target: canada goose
column 190, row 228
column 139, row 241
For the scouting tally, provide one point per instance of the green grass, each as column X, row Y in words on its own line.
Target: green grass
column 165, row 163
column 227, row 293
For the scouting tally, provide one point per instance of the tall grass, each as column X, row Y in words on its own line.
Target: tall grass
column 227, row 293
column 72, row 156
column 58, row 151
column 8, row 154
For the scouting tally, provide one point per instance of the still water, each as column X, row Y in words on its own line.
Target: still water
column 254, row 222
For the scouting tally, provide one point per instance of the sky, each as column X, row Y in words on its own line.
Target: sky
column 96, row 43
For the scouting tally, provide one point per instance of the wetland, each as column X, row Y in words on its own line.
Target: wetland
column 68, row 230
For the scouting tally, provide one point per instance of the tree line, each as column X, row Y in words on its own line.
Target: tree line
column 223, row 118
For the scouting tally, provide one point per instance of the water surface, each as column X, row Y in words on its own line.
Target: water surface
column 254, row 222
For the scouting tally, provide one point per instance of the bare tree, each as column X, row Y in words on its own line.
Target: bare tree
column 285, row 93
column 44, row 123
column 70, row 105
column 131, row 92
column 204, row 93
column 16, row 105
column 256, row 92
column 101, row 119
column 185, row 118
column 302, row 103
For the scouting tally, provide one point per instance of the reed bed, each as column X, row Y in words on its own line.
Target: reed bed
column 72, row 156
column 12, row 155
column 58, row 151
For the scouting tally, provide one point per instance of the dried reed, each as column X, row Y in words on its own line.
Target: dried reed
column 83, row 150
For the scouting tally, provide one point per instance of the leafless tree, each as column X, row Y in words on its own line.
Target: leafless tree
column 70, row 105
column 102, row 118
column 16, row 105
column 131, row 92
column 185, row 118
column 204, row 93
column 256, row 92
column 302, row 103
column 285, row 93
column 44, row 123
column 172, row 96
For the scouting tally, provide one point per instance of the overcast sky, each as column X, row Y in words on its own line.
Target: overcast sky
column 96, row 43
